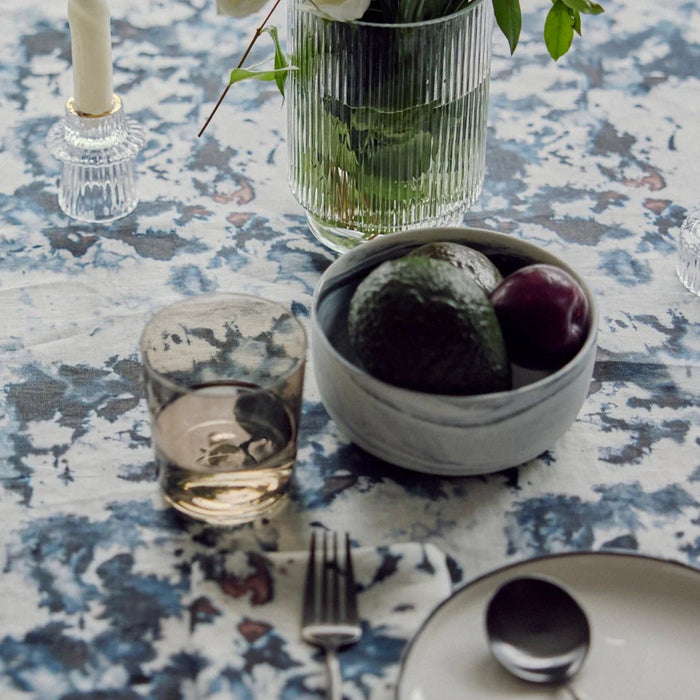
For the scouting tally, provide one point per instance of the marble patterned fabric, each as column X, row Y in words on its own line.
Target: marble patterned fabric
column 207, row 621
column 104, row 593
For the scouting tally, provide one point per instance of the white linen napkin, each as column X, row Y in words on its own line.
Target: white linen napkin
column 246, row 622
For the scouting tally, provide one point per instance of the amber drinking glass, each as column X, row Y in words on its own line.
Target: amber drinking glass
column 224, row 377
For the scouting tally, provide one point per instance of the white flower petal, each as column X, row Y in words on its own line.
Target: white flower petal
column 340, row 10
column 239, row 8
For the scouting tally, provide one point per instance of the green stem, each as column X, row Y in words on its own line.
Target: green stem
column 256, row 36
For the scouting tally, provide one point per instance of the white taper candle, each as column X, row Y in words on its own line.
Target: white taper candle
column 91, row 45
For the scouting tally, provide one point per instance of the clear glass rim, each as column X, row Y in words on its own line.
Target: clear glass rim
column 165, row 381
column 403, row 25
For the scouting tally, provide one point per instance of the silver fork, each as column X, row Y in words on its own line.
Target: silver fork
column 329, row 618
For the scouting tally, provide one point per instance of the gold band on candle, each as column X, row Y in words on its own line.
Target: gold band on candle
column 116, row 106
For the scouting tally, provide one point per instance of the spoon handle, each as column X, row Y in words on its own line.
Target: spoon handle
column 572, row 693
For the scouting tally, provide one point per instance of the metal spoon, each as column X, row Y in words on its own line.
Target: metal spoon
column 537, row 631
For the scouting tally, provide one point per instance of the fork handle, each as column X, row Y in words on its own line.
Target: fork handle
column 335, row 681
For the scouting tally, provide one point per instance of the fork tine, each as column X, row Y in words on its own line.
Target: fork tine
column 309, row 610
column 336, row 581
column 350, row 597
column 329, row 609
column 325, row 602
column 329, row 587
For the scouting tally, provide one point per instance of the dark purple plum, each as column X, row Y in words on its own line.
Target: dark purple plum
column 544, row 316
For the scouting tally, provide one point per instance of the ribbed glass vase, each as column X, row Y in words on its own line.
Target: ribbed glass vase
column 387, row 122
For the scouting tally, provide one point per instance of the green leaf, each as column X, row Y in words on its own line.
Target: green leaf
column 580, row 5
column 586, row 6
column 281, row 63
column 558, row 30
column 577, row 22
column 509, row 20
column 278, row 73
column 238, row 74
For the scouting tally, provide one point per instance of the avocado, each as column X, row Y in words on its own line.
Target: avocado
column 422, row 324
column 471, row 261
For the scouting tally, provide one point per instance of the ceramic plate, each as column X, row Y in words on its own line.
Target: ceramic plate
column 645, row 624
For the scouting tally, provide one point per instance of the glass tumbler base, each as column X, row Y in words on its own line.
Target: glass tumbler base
column 219, row 518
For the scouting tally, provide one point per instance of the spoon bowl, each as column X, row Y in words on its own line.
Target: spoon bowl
column 537, row 630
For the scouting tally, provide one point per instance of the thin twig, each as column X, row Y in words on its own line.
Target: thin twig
column 256, row 36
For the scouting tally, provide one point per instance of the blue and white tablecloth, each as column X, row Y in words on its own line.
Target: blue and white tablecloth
column 104, row 593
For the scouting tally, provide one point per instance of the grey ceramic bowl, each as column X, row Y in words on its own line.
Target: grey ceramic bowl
column 433, row 433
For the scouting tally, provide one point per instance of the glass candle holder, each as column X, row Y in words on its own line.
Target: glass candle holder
column 688, row 265
column 97, row 182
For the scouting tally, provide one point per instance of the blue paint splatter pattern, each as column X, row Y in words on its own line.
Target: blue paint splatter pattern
column 104, row 592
